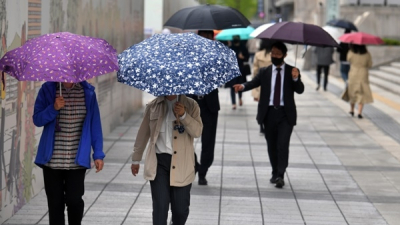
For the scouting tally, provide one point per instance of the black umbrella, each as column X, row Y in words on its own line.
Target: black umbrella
column 207, row 17
column 345, row 24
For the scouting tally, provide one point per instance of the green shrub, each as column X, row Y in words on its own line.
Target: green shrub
column 389, row 41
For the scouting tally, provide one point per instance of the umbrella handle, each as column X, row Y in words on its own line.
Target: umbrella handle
column 295, row 57
column 60, row 89
column 177, row 116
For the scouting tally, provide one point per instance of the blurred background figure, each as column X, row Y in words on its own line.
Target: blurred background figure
column 344, row 65
column 242, row 56
column 324, row 60
column 358, row 89
column 261, row 59
column 166, row 31
column 253, row 46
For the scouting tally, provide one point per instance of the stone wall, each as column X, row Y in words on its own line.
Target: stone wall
column 120, row 22
column 382, row 21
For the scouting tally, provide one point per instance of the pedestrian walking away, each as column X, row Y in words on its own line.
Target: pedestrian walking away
column 71, row 128
column 324, row 60
column 344, row 64
column 358, row 90
column 209, row 107
column 276, row 107
column 171, row 126
column 242, row 56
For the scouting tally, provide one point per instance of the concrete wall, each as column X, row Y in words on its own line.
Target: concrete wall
column 382, row 21
column 120, row 22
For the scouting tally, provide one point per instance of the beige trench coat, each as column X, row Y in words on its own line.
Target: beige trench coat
column 358, row 89
column 182, row 161
column 260, row 60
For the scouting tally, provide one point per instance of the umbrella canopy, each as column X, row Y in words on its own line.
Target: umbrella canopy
column 335, row 32
column 208, row 17
column 260, row 29
column 60, row 57
column 360, row 38
column 299, row 33
column 345, row 24
column 227, row 35
column 174, row 64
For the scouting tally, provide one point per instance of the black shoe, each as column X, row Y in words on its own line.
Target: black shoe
column 351, row 113
column 202, row 181
column 317, row 88
column 360, row 116
column 279, row 183
column 272, row 180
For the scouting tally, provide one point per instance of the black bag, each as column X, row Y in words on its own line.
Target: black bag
column 246, row 69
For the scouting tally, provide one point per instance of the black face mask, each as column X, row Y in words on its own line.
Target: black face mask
column 276, row 61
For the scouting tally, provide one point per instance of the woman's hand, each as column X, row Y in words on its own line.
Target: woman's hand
column 179, row 109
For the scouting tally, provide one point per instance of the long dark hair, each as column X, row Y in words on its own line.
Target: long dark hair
column 358, row 49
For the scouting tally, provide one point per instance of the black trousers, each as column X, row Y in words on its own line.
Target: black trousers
column 210, row 122
column 326, row 73
column 277, row 133
column 163, row 194
column 64, row 187
column 233, row 95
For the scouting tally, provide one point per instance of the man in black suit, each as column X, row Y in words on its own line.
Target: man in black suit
column 209, row 107
column 277, row 108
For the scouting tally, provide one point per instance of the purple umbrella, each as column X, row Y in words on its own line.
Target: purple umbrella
column 60, row 57
column 299, row 33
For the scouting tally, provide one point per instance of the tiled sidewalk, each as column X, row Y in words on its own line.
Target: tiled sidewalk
column 342, row 171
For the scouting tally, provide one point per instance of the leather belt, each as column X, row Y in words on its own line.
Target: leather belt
column 276, row 107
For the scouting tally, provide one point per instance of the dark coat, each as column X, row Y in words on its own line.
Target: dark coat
column 241, row 79
column 343, row 50
column 290, row 86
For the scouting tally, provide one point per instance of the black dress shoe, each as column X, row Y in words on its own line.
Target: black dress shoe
column 279, row 183
column 360, row 116
column 202, row 181
column 272, row 180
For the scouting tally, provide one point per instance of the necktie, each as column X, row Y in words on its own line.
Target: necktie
column 277, row 92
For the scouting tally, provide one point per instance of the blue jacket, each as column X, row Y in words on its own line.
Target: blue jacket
column 45, row 115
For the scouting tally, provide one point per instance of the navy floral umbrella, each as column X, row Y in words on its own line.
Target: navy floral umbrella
column 175, row 64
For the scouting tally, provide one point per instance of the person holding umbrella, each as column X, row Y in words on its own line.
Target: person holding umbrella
column 358, row 90
column 67, row 109
column 276, row 107
column 209, row 107
column 170, row 156
column 72, row 126
column 168, row 66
